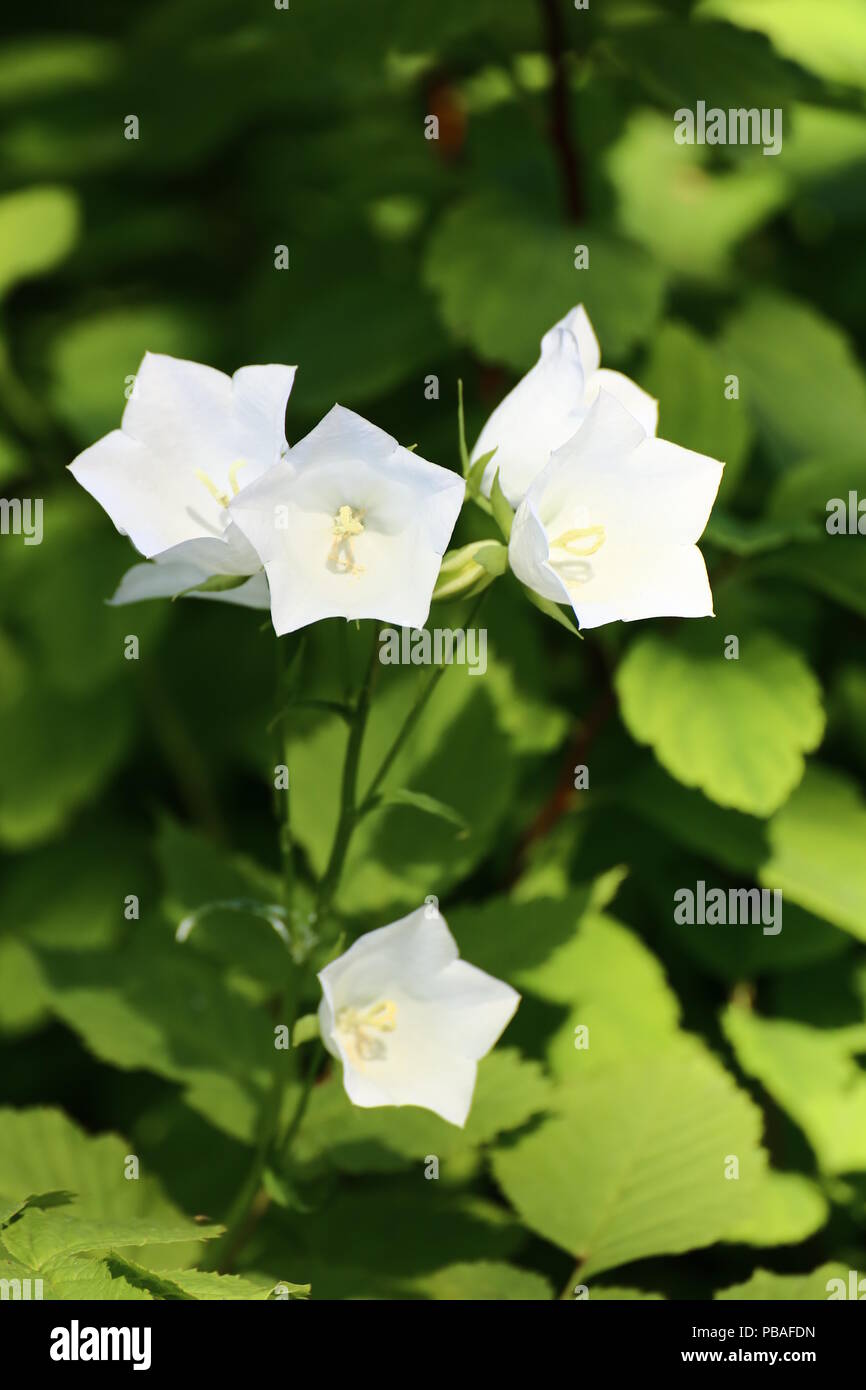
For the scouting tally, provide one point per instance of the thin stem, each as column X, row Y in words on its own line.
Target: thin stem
column 412, row 718
column 286, row 679
column 349, row 791
column 303, row 1100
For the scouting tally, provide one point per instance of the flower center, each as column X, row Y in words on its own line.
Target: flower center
column 363, row 1030
column 347, row 523
column 222, row 497
column 574, row 547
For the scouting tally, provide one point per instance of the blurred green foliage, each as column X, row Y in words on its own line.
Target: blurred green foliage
column 304, row 127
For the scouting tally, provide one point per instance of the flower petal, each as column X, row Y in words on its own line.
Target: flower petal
column 407, row 508
column 639, row 403
column 543, row 410
column 576, row 321
column 182, row 420
column 668, row 581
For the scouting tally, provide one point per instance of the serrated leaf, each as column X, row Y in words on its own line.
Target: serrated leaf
column 737, row 729
column 816, row 850
column 633, row 1165
column 38, row 1238
column 204, row 1285
column 504, row 316
column 508, row 1092
column 812, row 1074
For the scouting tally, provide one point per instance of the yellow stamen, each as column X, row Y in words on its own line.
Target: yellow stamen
column 568, row 540
column 347, row 523
column 361, row 1029
column 212, row 487
column 233, row 475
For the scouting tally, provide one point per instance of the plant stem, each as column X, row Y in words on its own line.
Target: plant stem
column 412, row 718
column 349, row 809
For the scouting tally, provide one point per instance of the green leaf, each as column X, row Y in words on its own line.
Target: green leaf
column 476, row 472
column 217, row 584
column 737, row 729
column 38, row 228
column 403, row 796
column 203, row 1285
column 633, row 1165
column 687, row 376
column 834, row 566
column 167, row 1009
column 601, row 975
column 38, row 1238
column 766, row 1286
column 688, row 216
column 816, row 850
column 415, row 1228
column 484, row 1281
column 43, row 781
column 95, row 359
column 745, row 538
column 509, row 1092
column 73, row 1277
column 813, row 1074
column 461, row 431
column 398, row 857
column 504, row 316
column 789, row 1208
column 787, row 356
column 556, row 611
column 43, row 1151
column 503, row 512
column 829, row 39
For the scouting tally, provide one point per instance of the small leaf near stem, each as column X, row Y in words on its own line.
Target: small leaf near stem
column 461, row 430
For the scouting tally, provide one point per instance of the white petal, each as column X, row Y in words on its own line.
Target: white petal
column 528, row 551
column 475, row 1008
column 409, row 508
column 669, row 491
column 578, row 324
column 669, row 581
column 542, row 411
column 184, row 566
column 640, row 404
column 413, row 949
column 182, row 418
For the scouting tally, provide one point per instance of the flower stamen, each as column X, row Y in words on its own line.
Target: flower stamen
column 220, row 497
column 347, row 523
column 569, row 540
column 362, row 1029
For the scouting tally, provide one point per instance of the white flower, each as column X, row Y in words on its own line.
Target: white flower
column 190, row 438
column 350, row 525
column 610, row 524
column 548, row 405
column 408, row 1019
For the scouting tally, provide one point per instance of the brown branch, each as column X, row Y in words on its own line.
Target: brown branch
column 560, row 120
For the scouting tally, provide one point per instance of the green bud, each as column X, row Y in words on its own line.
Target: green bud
column 470, row 569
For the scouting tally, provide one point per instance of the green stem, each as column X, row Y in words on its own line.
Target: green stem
column 349, row 810
column 294, row 1124
column 415, row 712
